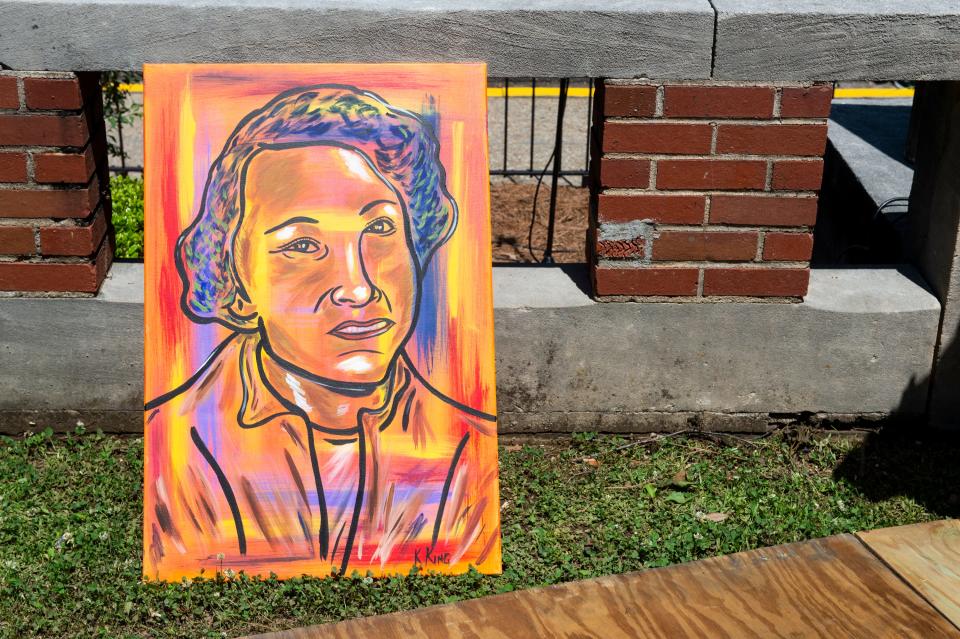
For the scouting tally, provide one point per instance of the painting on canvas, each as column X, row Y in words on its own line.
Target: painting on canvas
column 320, row 389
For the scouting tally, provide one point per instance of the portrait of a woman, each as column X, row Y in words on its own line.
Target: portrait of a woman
column 313, row 442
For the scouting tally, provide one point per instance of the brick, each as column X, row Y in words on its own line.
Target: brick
column 625, row 173
column 16, row 240
column 720, row 246
column 665, row 209
column 614, row 249
column 797, row 175
column 772, row 139
column 806, row 102
column 692, row 101
column 787, row 247
column 667, row 281
column 64, row 168
column 756, row 282
column 9, row 98
column 13, row 167
column 73, row 240
column 43, row 130
column 711, row 174
column 637, row 101
column 35, row 203
column 657, row 137
column 52, row 93
column 79, row 277
column 751, row 210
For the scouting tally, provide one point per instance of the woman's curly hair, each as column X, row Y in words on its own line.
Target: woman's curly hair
column 401, row 145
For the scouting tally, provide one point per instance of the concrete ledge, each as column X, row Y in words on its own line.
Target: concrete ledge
column 544, row 38
column 755, row 40
column 860, row 345
column 837, row 40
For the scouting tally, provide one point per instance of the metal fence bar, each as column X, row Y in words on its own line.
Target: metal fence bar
column 530, row 168
column 525, row 173
column 586, row 155
column 533, row 118
column 506, row 119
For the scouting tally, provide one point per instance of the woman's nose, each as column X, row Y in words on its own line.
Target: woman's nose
column 354, row 287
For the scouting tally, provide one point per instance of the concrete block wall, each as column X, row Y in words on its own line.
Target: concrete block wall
column 705, row 190
column 54, row 213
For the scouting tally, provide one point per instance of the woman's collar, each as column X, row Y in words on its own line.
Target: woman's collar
column 262, row 401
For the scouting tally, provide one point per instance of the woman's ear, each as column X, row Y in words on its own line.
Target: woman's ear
column 241, row 313
column 442, row 232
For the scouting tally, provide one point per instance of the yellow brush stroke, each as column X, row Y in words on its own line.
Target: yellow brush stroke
column 457, row 182
column 179, row 443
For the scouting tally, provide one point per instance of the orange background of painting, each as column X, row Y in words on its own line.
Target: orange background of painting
column 190, row 111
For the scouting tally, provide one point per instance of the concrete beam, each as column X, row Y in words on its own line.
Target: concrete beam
column 861, row 344
column 544, row 38
column 934, row 241
column 837, row 40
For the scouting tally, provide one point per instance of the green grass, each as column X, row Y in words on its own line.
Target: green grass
column 126, row 195
column 572, row 508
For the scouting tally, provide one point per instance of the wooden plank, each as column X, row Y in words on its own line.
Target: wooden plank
column 927, row 556
column 831, row 587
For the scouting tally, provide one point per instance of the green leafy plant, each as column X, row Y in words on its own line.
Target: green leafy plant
column 126, row 196
column 118, row 109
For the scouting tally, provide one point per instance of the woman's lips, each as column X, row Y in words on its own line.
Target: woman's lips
column 352, row 329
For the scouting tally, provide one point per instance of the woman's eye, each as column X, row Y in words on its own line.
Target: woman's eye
column 300, row 245
column 381, row 226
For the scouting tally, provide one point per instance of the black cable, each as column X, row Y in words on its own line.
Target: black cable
column 533, row 216
column 886, row 203
column 557, row 161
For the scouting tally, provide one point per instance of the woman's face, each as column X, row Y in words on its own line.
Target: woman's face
column 325, row 258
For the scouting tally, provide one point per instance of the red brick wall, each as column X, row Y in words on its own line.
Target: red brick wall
column 705, row 190
column 54, row 217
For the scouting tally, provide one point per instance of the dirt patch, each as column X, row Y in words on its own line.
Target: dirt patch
column 511, row 208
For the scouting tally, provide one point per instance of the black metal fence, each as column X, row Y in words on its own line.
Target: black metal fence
column 503, row 137
column 532, row 129
column 563, row 160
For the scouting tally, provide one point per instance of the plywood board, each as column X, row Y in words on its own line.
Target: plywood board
column 927, row 556
column 829, row 588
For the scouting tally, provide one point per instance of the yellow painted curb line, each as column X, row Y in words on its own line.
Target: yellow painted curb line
column 584, row 92
column 541, row 92
column 867, row 92
column 492, row 92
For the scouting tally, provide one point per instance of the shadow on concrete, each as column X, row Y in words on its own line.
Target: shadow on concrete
column 917, row 456
column 909, row 458
column 849, row 229
column 882, row 126
column 578, row 273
